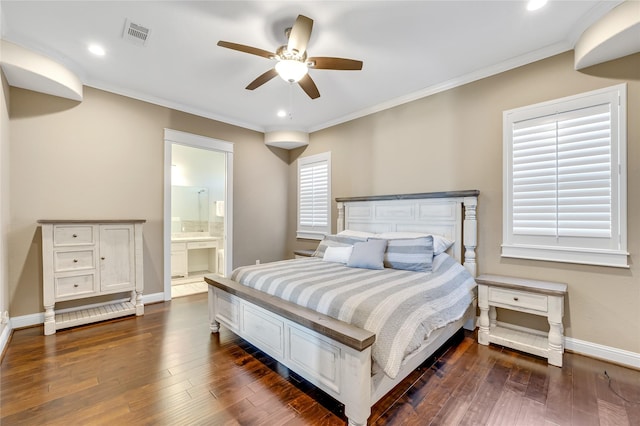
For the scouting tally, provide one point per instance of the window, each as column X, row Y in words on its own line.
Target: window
column 565, row 180
column 314, row 196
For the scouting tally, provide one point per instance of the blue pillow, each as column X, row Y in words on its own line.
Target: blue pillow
column 368, row 255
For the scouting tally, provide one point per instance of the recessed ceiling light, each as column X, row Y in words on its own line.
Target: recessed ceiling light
column 535, row 4
column 282, row 113
column 96, row 50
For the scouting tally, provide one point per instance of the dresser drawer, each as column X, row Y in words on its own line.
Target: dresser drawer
column 69, row 235
column 201, row 244
column 75, row 285
column 518, row 299
column 73, row 260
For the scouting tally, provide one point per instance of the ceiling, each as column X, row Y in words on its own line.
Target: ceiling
column 409, row 49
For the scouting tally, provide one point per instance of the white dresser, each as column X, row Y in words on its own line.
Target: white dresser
column 88, row 258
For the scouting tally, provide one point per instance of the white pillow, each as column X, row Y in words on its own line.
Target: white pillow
column 359, row 234
column 440, row 243
column 337, row 254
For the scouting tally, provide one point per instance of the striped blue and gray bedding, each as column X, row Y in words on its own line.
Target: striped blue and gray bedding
column 401, row 307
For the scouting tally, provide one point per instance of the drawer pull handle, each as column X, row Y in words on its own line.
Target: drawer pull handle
column 75, row 285
column 75, row 235
column 515, row 299
column 75, row 260
column 102, row 258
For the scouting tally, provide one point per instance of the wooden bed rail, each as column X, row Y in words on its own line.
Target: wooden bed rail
column 340, row 331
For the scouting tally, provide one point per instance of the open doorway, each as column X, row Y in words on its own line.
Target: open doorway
column 197, row 219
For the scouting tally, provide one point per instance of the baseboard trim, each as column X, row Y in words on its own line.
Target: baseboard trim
column 27, row 320
column 606, row 353
column 595, row 350
column 153, row 298
column 4, row 337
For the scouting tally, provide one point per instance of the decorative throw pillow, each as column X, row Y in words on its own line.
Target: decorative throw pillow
column 440, row 243
column 410, row 254
column 337, row 254
column 335, row 241
column 368, row 255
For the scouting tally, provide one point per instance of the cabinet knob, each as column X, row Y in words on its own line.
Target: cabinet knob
column 75, row 260
column 515, row 298
column 102, row 258
column 75, row 285
column 75, row 235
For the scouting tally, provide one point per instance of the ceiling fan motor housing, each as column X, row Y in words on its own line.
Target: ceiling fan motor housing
column 283, row 53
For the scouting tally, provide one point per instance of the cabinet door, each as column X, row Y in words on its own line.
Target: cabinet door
column 117, row 265
column 178, row 260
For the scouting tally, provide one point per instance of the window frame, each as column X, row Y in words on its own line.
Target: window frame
column 612, row 251
column 314, row 232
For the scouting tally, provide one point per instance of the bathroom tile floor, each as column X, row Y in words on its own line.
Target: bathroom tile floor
column 188, row 288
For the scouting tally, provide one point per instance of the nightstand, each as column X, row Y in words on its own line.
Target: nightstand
column 303, row 253
column 523, row 295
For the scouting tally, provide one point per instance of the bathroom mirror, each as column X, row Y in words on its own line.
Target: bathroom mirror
column 190, row 208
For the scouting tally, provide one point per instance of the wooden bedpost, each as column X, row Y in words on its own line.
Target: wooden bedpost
column 356, row 388
column 340, row 223
column 214, row 325
column 470, row 230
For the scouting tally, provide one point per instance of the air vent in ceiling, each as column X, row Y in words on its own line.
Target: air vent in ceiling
column 135, row 33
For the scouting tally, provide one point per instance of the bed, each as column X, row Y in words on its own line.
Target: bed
column 337, row 355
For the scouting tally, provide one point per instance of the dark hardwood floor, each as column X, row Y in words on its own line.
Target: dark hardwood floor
column 165, row 368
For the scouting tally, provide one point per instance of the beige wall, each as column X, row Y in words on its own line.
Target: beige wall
column 103, row 158
column 453, row 141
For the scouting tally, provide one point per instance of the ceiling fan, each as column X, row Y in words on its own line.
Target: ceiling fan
column 293, row 64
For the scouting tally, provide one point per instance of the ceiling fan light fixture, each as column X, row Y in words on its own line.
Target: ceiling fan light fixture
column 535, row 4
column 291, row 70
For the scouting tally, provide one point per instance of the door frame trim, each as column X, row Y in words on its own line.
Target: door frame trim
column 172, row 137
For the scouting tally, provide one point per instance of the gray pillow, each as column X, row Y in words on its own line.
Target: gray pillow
column 410, row 254
column 368, row 255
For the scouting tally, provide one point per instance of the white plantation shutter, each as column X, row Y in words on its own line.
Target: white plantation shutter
column 314, row 196
column 562, row 174
column 565, row 183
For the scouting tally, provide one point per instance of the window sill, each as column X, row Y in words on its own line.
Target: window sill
column 310, row 235
column 611, row 258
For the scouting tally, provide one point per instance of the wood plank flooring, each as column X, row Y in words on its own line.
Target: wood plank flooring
column 165, row 368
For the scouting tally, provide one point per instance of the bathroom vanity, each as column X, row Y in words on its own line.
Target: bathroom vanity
column 194, row 253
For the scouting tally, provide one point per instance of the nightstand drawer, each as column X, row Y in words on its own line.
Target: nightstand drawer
column 518, row 299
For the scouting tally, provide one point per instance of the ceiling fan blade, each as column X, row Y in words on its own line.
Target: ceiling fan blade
column 328, row 63
column 246, row 49
column 300, row 34
column 309, row 87
column 262, row 79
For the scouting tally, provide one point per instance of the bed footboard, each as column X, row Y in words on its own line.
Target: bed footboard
column 333, row 355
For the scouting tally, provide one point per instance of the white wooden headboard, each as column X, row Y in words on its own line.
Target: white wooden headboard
column 450, row 214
